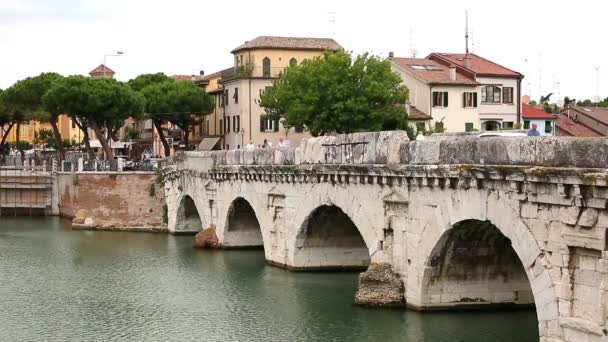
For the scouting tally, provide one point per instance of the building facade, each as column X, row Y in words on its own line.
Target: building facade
column 257, row 63
column 545, row 122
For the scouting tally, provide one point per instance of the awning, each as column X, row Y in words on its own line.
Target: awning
column 208, row 143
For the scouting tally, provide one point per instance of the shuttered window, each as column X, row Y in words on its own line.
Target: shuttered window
column 468, row 127
column 440, row 99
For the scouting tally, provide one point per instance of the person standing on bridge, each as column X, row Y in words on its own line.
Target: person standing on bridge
column 533, row 132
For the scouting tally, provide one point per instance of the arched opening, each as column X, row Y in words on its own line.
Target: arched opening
column 293, row 61
column 328, row 239
column 490, row 126
column 474, row 266
column 188, row 219
column 266, row 67
column 242, row 226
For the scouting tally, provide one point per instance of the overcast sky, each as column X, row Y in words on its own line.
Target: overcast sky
column 184, row 36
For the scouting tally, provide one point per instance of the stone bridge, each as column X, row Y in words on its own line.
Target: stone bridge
column 459, row 223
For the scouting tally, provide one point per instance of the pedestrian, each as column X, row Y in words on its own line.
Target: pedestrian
column 533, row 132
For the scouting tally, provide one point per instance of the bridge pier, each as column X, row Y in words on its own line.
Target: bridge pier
column 437, row 224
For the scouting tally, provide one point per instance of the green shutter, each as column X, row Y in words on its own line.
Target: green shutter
column 438, row 126
column 526, row 124
column 475, row 99
column 445, row 99
column 434, row 99
column 468, row 127
column 548, row 127
column 276, row 125
column 262, row 128
column 420, row 127
column 464, row 100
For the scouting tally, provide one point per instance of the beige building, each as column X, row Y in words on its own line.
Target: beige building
column 464, row 92
column 257, row 63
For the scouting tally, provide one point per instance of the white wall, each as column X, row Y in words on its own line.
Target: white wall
column 504, row 111
column 455, row 115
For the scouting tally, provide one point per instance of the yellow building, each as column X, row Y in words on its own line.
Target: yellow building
column 27, row 131
column 257, row 63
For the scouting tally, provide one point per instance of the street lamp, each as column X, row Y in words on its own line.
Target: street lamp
column 117, row 54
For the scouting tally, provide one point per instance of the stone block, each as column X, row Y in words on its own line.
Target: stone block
column 529, row 210
column 588, row 217
column 569, row 215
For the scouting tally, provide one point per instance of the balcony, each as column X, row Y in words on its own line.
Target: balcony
column 251, row 71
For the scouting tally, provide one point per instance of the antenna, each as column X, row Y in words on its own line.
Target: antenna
column 528, row 83
column 332, row 24
column 540, row 74
column 466, row 30
column 598, row 98
column 412, row 47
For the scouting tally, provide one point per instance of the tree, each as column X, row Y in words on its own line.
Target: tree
column 338, row 92
column 545, row 98
column 533, row 103
column 26, row 98
column 179, row 102
column 99, row 102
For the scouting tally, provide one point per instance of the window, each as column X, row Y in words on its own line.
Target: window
column 236, row 95
column 548, row 126
column 420, row 127
column 267, row 125
column 526, row 124
column 220, row 100
column 293, row 61
column 490, row 94
column 227, row 124
column 468, row 127
column 507, row 125
column 73, row 123
column 469, row 100
column 221, row 126
column 507, row 95
column 236, row 123
column 266, row 67
column 226, row 98
column 440, row 99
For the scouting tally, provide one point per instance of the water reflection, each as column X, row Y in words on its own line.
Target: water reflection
column 63, row 285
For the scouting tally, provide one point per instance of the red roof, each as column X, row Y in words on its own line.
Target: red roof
column 479, row 65
column 102, row 70
column 415, row 114
column 430, row 71
column 568, row 127
column 529, row 112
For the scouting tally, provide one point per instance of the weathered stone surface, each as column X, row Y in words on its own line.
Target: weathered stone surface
column 380, row 286
column 206, row 238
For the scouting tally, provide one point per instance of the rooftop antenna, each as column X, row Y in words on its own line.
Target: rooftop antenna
column 598, row 98
column 466, row 30
column 332, row 24
column 540, row 74
column 528, row 83
column 412, row 47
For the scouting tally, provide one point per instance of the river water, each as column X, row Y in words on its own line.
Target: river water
column 62, row 285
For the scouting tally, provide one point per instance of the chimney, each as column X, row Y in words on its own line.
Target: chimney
column 391, row 54
column 467, row 61
column 202, row 72
column 453, row 73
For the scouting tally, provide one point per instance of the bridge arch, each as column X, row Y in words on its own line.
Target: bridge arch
column 188, row 218
column 328, row 238
column 242, row 228
column 504, row 263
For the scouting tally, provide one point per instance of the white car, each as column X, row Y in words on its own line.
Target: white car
column 501, row 134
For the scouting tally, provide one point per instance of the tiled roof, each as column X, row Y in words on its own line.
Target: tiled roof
column 415, row 114
column 598, row 113
column 291, row 43
column 100, row 70
column 183, row 77
column 568, row 127
column 430, row 71
column 479, row 65
column 529, row 112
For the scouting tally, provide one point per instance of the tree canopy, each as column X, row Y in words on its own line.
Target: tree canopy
column 179, row 102
column 99, row 102
column 338, row 92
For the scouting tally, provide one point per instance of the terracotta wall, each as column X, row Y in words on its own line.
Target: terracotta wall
column 112, row 201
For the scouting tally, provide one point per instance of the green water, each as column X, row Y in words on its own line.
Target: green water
column 62, row 285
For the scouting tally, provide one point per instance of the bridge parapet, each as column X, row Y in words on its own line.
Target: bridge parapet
column 393, row 147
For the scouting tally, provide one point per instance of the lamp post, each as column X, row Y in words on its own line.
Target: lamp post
column 117, row 54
